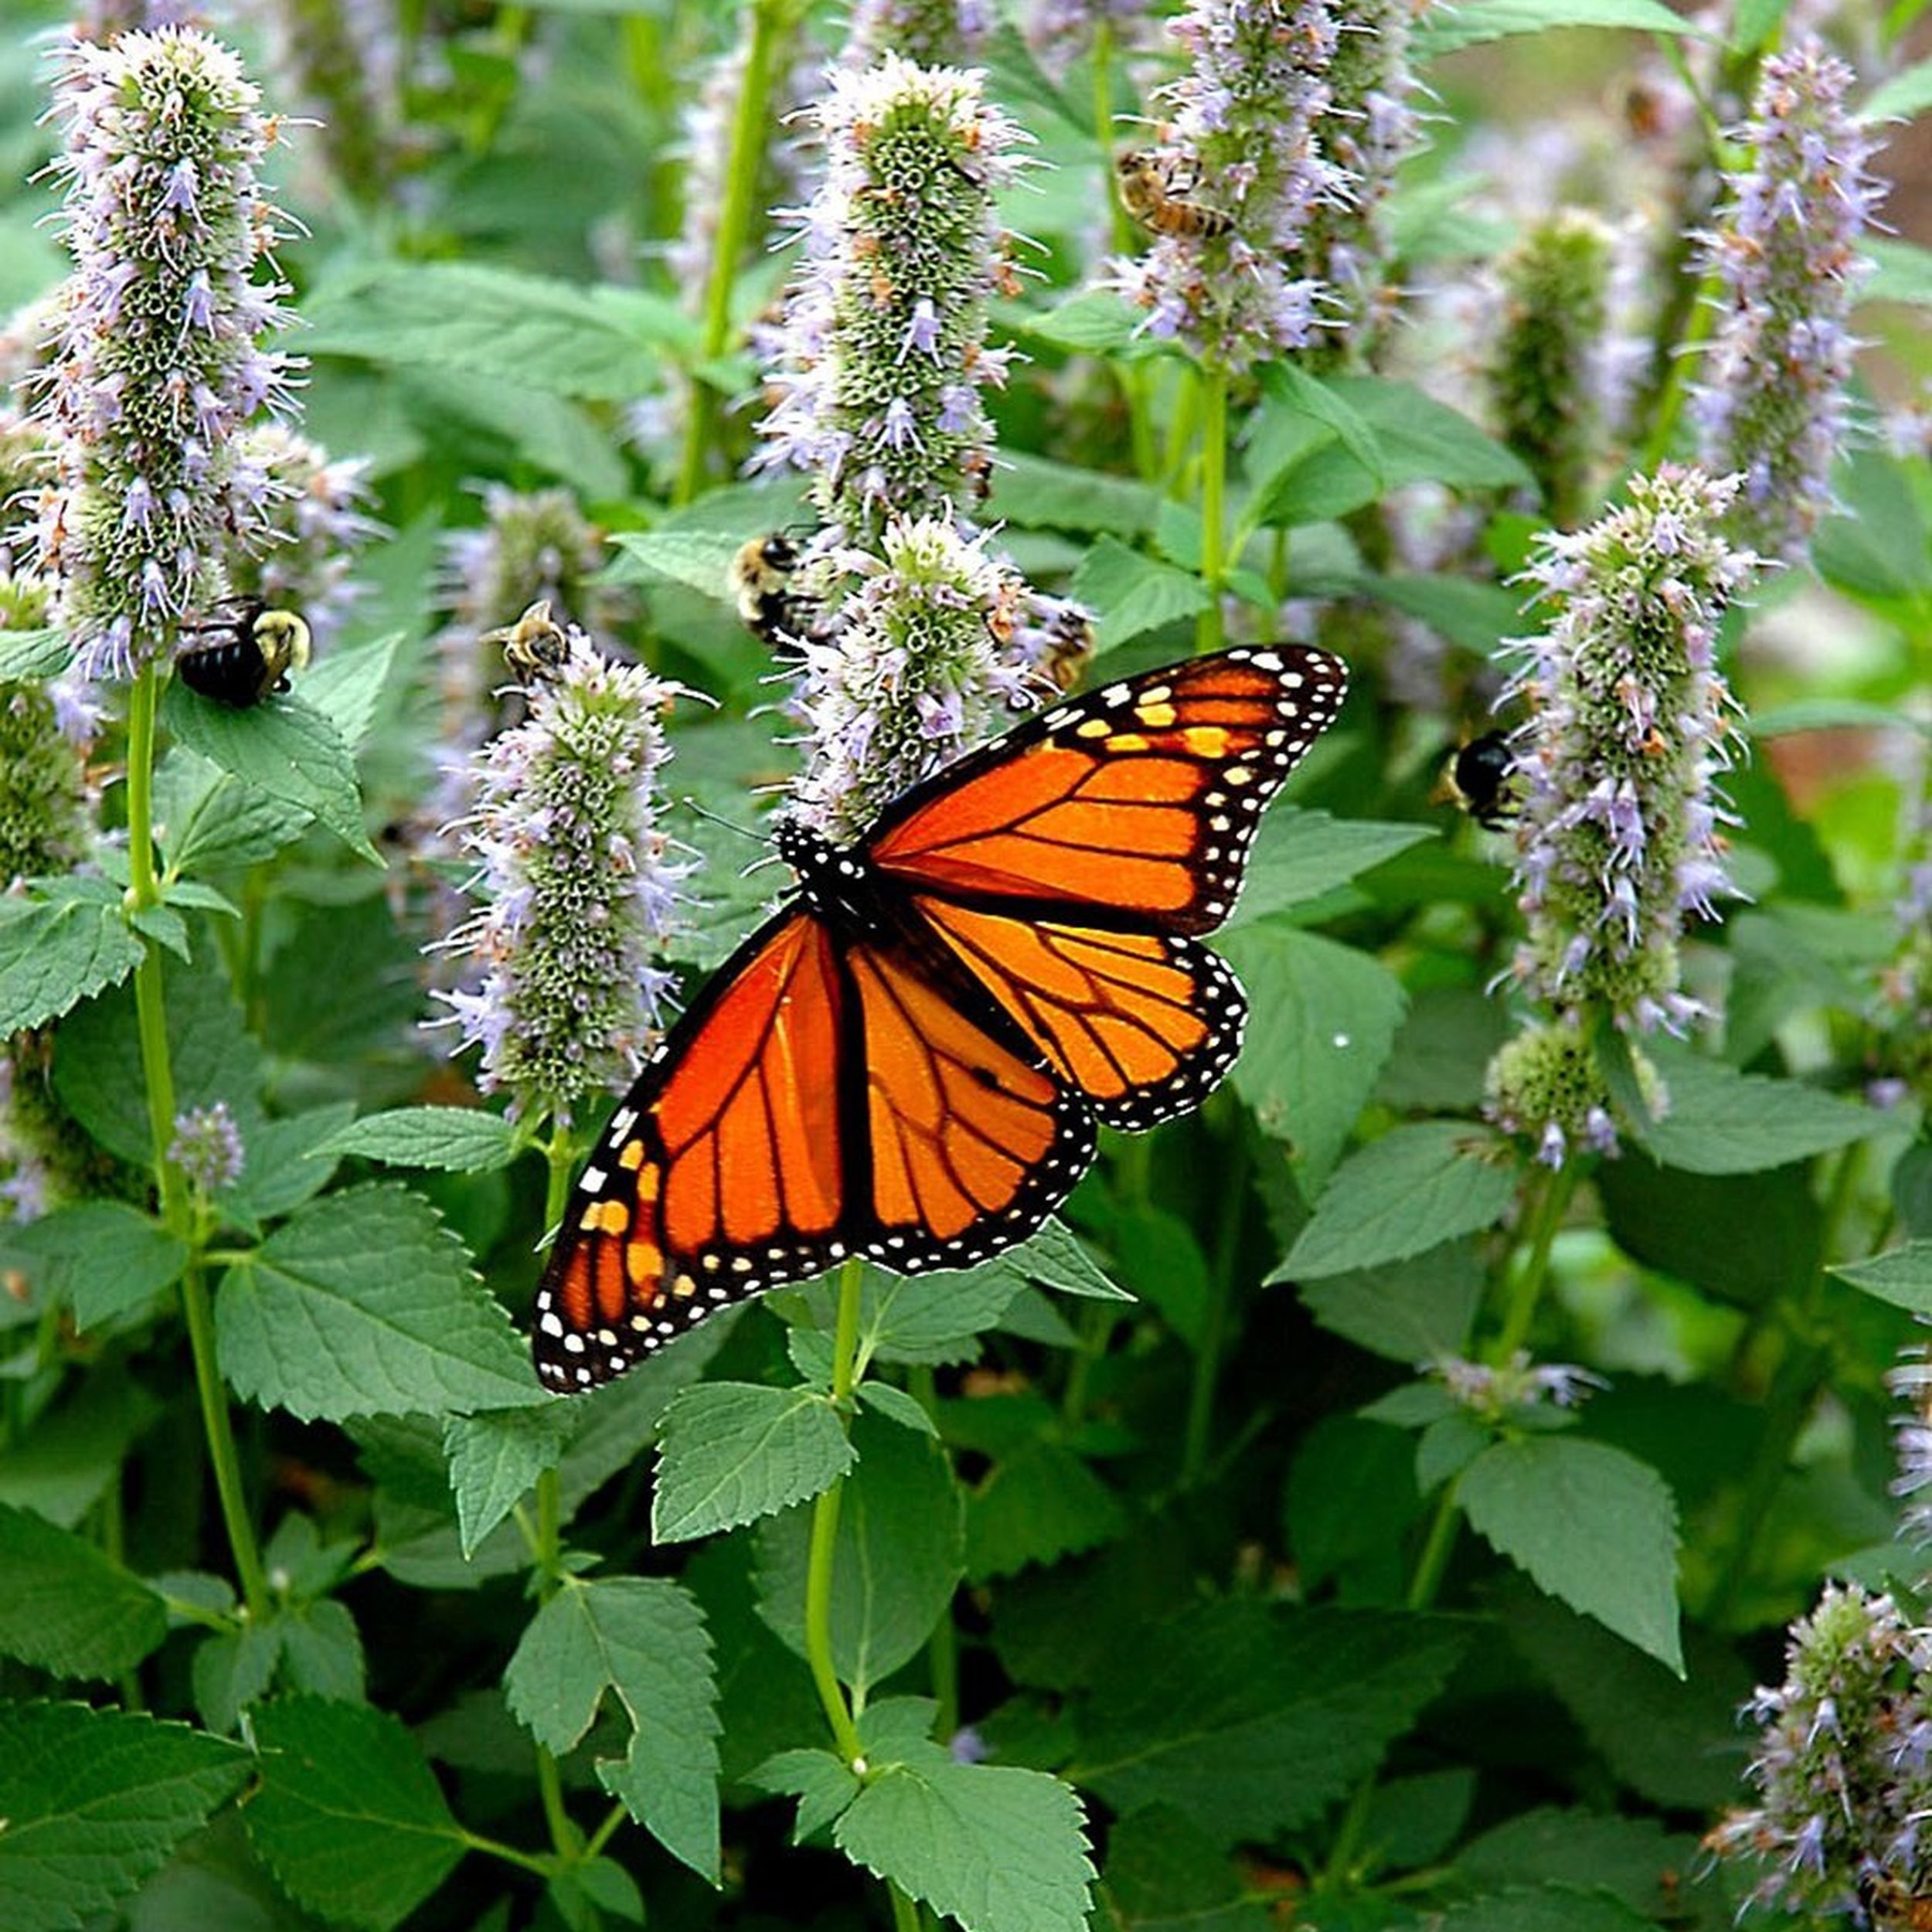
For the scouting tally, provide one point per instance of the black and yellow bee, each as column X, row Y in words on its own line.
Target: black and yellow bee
column 1158, row 201
column 1894, row 1907
column 1070, row 647
column 536, row 647
column 1480, row 776
column 241, row 656
column 763, row 587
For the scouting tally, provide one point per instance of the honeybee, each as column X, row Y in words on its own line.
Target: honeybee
column 1480, row 778
column 1894, row 1907
column 536, row 647
column 768, row 605
column 1070, row 646
column 1148, row 193
column 244, row 654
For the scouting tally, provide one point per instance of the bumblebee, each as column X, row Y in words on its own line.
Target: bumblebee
column 1480, row 778
column 239, row 658
column 1147, row 194
column 769, row 606
column 1894, row 1907
column 535, row 646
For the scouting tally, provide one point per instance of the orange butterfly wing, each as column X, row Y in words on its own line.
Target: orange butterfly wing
column 809, row 1106
column 1139, row 800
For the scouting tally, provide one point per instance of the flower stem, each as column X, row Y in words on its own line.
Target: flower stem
column 144, row 891
column 1214, row 473
column 1544, row 1217
column 1207, row 1357
column 750, row 126
column 824, row 1532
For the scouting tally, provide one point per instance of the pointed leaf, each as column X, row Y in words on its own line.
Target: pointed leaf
column 1591, row 1524
column 997, row 1849
column 58, row 950
column 363, row 1304
column 465, row 1139
column 733, row 1452
column 95, row 1802
column 349, row 1817
column 68, row 1608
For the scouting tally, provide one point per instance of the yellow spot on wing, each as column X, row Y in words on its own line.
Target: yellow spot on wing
column 632, row 1155
column 1156, row 717
column 1093, row 728
column 605, row 1217
column 1129, row 741
column 1206, row 741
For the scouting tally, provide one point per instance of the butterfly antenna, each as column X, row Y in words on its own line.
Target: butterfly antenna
column 717, row 818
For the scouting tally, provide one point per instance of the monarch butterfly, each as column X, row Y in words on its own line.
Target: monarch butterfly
column 908, row 1061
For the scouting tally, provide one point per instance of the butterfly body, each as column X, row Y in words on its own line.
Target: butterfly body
column 909, row 1061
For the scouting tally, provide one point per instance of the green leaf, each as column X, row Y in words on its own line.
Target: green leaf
column 699, row 559
column 102, row 1258
column 1352, row 1495
column 644, row 1638
column 284, row 749
column 1302, row 394
column 1034, row 492
column 463, row 1140
column 1628, row 1856
column 823, row 1786
column 1545, row 1908
column 465, row 319
column 1055, row 1257
column 1875, row 548
column 1317, row 477
column 1035, row 1506
column 1904, row 272
column 28, row 656
column 1130, row 594
column 1721, row 1121
column 1415, row 1188
column 1299, row 855
column 1673, row 1740
column 1414, row 1310
column 1744, row 1237
column 1480, row 20
column 347, row 686
column 1332, row 1016
column 1476, row 616
column 285, row 1164
column 349, row 1816
column 733, row 1451
column 1591, row 1524
column 898, row 1559
column 207, row 819
column 1905, row 94
column 61, row 1465
column 363, row 1304
column 1250, row 1718
column 1164, row 1874
column 494, row 1459
column 233, row 1669
column 1096, row 320
column 57, row 950
column 95, row 1802
column 1904, row 1276
column 66, row 1607
column 999, row 1849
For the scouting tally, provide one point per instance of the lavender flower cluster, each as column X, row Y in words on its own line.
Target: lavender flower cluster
column 207, row 1147
column 1629, row 727
column 1843, row 1768
column 158, row 364
column 936, row 33
column 1618, row 839
column 920, row 668
column 1243, row 130
column 883, row 353
column 576, row 890
column 1771, row 403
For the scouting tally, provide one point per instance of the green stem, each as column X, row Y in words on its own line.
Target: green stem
column 769, row 20
column 824, row 1532
column 158, row 1076
column 905, row 1913
column 221, row 1442
column 1207, row 1357
column 494, row 1847
column 1544, row 1217
column 1214, row 478
column 942, row 1648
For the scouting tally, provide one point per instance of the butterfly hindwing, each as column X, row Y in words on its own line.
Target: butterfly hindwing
column 1137, row 801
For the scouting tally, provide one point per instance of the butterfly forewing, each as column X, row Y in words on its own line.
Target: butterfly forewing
column 722, row 1172
column 1138, row 801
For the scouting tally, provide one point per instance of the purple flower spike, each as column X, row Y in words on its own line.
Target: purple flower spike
column 157, row 368
column 1771, row 403
column 577, row 893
